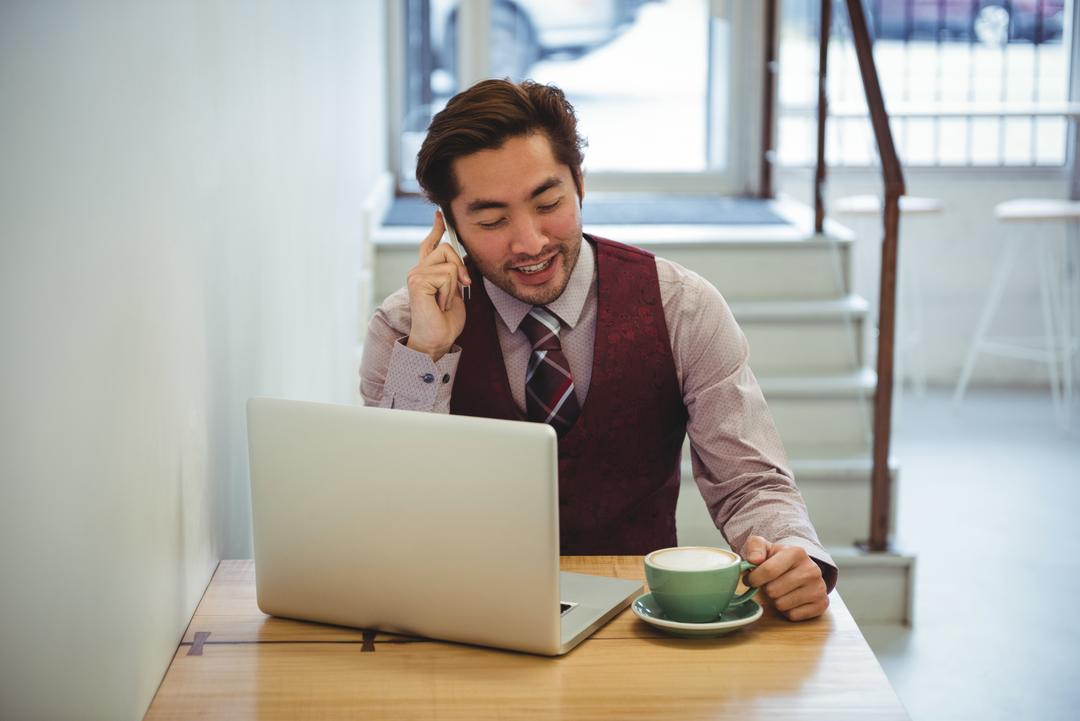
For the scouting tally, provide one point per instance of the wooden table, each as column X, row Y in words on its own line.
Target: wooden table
column 237, row 663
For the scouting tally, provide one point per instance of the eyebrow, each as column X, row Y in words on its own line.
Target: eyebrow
column 477, row 205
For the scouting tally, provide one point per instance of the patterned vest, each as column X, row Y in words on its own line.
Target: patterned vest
column 619, row 464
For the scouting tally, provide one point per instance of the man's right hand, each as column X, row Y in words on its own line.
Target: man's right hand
column 438, row 311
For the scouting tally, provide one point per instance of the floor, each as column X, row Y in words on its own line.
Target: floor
column 989, row 501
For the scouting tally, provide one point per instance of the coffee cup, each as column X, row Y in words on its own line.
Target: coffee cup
column 695, row 584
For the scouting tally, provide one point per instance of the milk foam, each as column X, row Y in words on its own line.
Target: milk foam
column 692, row 559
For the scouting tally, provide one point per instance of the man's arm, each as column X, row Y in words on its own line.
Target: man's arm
column 392, row 375
column 410, row 358
column 738, row 459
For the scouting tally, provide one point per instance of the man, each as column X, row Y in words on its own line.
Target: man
column 621, row 352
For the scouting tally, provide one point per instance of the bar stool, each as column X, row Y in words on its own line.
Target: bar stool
column 909, row 316
column 1059, row 291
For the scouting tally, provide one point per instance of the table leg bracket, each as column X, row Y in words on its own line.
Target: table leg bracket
column 197, row 644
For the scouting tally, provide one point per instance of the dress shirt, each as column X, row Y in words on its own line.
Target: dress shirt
column 738, row 460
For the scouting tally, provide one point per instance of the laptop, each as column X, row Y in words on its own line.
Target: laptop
column 420, row 524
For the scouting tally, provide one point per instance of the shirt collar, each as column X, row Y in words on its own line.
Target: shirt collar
column 567, row 307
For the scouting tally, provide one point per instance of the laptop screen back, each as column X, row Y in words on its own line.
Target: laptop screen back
column 415, row 523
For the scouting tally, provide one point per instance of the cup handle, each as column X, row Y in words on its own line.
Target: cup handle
column 750, row 592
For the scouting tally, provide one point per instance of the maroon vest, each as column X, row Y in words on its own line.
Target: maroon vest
column 619, row 464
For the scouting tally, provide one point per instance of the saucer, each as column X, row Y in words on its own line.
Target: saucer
column 648, row 610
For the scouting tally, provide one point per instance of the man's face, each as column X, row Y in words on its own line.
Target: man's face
column 519, row 217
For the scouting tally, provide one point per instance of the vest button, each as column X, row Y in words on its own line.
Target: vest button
column 428, row 377
column 446, row 378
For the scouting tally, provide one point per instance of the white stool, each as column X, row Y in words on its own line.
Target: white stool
column 1058, row 288
column 909, row 316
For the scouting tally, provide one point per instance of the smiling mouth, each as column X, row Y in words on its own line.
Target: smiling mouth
column 530, row 269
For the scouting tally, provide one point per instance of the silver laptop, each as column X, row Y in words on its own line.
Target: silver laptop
column 417, row 523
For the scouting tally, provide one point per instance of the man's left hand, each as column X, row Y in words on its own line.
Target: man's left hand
column 788, row 577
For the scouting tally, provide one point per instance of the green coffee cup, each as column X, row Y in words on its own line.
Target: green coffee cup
column 695, row 584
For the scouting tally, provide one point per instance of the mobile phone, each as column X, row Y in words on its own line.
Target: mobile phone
column 456, row 245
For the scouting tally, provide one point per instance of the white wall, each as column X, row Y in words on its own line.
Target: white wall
column 179, row 183
column 954, row 253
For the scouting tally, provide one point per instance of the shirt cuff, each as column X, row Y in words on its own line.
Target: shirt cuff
column 414, row 382
column 829, row 571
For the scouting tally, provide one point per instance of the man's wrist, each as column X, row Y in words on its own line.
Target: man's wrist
column 818, row 555
column 417, row 383
column 434, row 353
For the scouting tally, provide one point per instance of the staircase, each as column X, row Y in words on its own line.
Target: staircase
column 791, row 293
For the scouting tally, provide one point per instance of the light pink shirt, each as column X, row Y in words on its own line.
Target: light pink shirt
column 739, row 462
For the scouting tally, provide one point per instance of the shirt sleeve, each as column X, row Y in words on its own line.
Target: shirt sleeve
column 739, row 463
column 392, row 375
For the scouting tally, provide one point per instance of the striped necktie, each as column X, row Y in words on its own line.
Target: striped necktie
column 549, row 387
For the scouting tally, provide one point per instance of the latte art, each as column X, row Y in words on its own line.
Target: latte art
column 692, row 559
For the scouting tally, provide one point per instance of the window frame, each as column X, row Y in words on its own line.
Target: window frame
column 744, row 80
column 903, row 112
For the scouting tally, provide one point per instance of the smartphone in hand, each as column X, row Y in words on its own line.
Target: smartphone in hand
column 456, row 245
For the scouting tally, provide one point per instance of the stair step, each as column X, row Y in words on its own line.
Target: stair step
column 745, row 262
column 859, row 383
column 822, row 417
column 847, row 308
column 876, row 587
column 805, row 270
column 825, row 416
column 843, row 468
column 837, row 497
column 808, row 338
column 846, row 469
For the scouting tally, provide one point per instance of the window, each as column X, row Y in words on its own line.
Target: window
column 652, row 81
column 966, row 82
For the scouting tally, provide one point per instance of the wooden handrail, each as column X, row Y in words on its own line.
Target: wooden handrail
column 768, row 151
column 892, row 173
column 822, row 115
column 894, row 188
column 893, row 180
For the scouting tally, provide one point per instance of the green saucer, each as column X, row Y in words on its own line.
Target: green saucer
column 648, row 610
